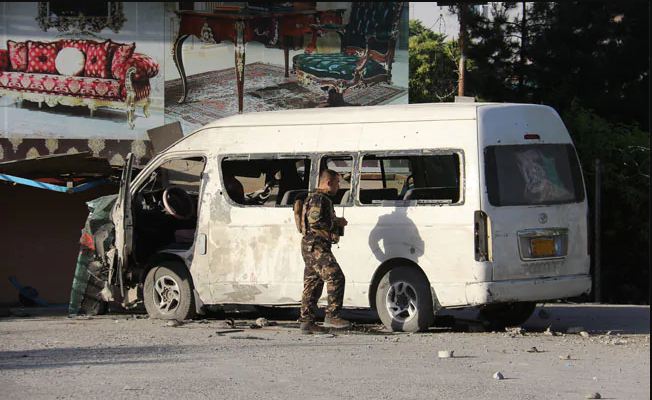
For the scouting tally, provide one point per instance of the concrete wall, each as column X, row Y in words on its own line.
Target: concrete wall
column 39, row 239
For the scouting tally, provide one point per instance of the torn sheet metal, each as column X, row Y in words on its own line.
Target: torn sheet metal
column 53, row 187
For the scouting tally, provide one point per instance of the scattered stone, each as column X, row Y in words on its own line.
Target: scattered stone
column 262, row 322
column 595, row 395
column 498, row 376
column 584, row 334
column 445, row 353
column 549, row 332
column 173, row 323
column 254, row 326
column 566, row 357
column 608, row 333
column 516, row 331
column 619, row 341
column 534, row 350
column 575, row 329
column 324, row 335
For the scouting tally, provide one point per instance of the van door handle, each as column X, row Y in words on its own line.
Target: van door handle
column 201, row 243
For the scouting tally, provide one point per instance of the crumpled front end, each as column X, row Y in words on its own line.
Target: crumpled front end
column 96, row 256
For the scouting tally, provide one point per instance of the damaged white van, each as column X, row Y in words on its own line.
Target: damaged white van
column 449, row 205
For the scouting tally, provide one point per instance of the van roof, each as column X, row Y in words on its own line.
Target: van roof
column 348, row 115
column 357, row 114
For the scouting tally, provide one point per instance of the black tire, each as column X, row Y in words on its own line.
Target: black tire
column 503, row 315
column 175, row 285
column 406, row 292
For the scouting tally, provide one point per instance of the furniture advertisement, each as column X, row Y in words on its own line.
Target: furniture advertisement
column 97, row 76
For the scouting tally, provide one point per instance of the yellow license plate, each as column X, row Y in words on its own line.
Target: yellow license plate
column 542, row 247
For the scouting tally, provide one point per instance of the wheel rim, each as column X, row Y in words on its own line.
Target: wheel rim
column 166, row 294
column 401, row 301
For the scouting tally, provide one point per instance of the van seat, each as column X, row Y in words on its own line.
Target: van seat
column 346, row 197
column 433, row 193
column 291, row 195
column 368, row 195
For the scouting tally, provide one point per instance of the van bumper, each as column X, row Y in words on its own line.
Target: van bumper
column 527, row 289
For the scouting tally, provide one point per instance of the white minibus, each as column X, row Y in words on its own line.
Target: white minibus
column 449, row 206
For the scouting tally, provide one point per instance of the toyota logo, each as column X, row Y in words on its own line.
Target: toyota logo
column 543, row 218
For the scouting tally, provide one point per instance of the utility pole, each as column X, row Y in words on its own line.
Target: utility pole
column 461, row 17
column 597, row 267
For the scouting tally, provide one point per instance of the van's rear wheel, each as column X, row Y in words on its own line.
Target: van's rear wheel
column 502, row 315
column 403, row 300
column 168, row 292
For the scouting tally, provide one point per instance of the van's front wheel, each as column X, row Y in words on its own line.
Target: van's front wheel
column 403, row 300
column 168, row 292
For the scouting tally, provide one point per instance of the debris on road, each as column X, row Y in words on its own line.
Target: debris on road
column 565, row 357
column 549, row 332
column 534, row 350
column 515, row 331
column 249, row 337
column 498, row 376
column 173, row 323
column 595, row 395
column 324, row 335
column 584, row 334
column 445, row 353
column 262, row 322
column 222, row 332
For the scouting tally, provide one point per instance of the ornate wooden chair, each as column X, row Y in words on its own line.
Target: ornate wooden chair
column 366, row 54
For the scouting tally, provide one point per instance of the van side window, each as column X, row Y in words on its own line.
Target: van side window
column 266, row 182
column 410, row 179
column 343, row 165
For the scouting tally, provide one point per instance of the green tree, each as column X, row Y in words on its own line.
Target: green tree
column 433, row 65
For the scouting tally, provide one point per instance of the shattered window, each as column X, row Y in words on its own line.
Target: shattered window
column 533, row 174
column 265, row 182
column 410, row 179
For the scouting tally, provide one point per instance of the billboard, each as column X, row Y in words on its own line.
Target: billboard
column 97, row 76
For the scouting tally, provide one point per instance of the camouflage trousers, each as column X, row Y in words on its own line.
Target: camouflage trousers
column 321, row 267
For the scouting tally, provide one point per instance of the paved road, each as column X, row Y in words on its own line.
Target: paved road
column 122, row 357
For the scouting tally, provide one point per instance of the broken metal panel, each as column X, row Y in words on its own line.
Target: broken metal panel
column 50, row 186
column 96, row 247
column 79, row 164
column 165, row 135
column 123, row 221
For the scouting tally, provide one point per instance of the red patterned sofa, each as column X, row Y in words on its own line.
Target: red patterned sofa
column 106, row 74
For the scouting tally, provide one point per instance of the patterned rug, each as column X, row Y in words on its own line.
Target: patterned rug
column 212, row 95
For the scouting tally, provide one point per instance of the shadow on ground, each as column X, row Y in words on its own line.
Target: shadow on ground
column 80, row 356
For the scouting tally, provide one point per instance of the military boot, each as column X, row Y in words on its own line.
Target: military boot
column 336, row 323
column 309, row 327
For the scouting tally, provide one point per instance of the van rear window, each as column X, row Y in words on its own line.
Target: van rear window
column 533, row 174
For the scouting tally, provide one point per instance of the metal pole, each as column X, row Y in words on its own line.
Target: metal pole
column 462, row 42
column 597, row 267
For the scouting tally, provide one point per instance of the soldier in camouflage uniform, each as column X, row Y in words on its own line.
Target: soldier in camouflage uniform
column 321, row 230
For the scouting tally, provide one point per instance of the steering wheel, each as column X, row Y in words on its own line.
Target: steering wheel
column 178, row 203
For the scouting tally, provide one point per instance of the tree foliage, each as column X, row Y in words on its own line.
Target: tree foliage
column 433, row 65
column 590, row 61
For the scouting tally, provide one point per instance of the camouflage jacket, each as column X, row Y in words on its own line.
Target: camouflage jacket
column 319, row 216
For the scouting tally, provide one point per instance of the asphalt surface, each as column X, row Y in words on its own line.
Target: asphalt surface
column 130, row 356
